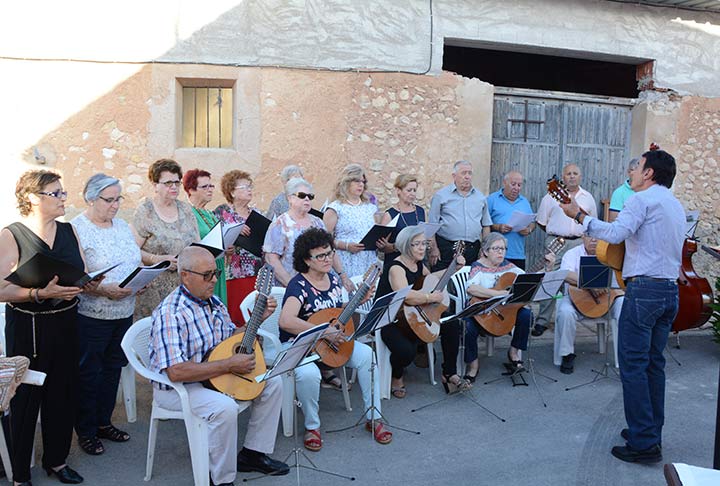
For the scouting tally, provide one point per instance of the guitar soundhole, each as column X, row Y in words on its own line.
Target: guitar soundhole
column 237, row 349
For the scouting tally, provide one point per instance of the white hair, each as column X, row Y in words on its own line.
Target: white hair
column 459, row 163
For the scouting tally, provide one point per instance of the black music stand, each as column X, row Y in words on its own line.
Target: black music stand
column 286, row 362
column 382, row 313
column 594, row 275
column 474, row 309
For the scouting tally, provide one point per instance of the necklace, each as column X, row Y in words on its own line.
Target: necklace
column 402, row 216
column 354, row 204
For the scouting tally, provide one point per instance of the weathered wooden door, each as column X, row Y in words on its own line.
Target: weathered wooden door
column 538, row 135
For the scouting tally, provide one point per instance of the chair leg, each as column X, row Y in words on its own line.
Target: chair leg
column 127, row 381
column 490, row 343
column 431, row 363
column 152, row 439
column 5, row 455
column 199, row 454
column 601, row 337
column 383, row 369
column 288, row 404
column 346, row 394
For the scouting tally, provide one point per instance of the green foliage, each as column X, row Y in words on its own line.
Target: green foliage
column 715, row 318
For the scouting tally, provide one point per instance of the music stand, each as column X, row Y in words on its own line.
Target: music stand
column 593, row 275
column 286, row 362
column 382, row 313
column 481, row 307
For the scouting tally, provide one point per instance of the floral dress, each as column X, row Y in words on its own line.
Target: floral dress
column 353, row 223
column 280, row 239
column 242, row 263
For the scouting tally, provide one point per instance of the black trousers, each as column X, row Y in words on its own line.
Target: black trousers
column 472, row 248
column 450, row 343
column 402, row 348
column 56, row 344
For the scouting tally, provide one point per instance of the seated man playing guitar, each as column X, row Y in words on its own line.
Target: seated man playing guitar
column 186, row 325
column 580, row 304
column 312, row 290
column 485, row 282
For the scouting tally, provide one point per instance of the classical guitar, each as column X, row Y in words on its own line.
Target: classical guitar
column 500, row 321
column 244, row 387
column 333, row 355
column 424, row 320
column 593, row 303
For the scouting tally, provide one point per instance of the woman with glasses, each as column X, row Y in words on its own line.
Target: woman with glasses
column 163, row 226
column 484, row 274
column 199, row 188
column 313, row 289
column 241, row 266
column 281, row 203
column 105, row 314
column 348, row 218
column 41, row 324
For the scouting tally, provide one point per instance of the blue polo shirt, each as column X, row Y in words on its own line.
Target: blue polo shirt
column 620, row 195
column 500, row 210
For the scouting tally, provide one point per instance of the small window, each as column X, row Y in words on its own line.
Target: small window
column 207, row 120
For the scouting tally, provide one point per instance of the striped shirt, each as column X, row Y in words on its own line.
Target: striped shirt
column 184, row 328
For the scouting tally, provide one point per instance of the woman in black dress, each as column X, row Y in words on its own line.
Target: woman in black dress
column 41, row 324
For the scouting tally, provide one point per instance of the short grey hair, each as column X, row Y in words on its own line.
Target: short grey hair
column 97, row 184
column 459, row 163
column 189, row 256
column 405, row 237
column 632, row 165
column 490, row 239
column 292, row 185
column 290, row 171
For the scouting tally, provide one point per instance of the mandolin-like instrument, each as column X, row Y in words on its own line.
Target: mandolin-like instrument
column 333, row 355
column 244, row 387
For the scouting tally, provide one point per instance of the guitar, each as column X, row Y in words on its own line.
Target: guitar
column 501, row 320
column 593, row 303
column 237, row 386
column 337, row 355
column 424, row 320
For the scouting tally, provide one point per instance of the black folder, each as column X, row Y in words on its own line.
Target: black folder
column 376, row 232
column 259, row 225
column 41, row 268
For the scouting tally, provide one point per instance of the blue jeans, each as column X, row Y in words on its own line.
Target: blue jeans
column 647, row 314
column 101, row 361
column 519, row 338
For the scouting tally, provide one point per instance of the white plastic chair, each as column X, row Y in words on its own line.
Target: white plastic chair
column 602, row 336
column 271, row 330
column 135, row 346
column 126, row 392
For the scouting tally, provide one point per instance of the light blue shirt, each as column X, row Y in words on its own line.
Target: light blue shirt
column 652, row 225
column 461, row 217
column 619, row 196
column 500, row 210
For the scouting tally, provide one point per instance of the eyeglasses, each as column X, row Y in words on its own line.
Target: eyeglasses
column 424, row 243
column 112, row 200
column 206, row 186
column 207, row 276
column 244, row 187
column 302, row 195
column 55, row 194
column 171, row 183
column 497, row 248
column 323, row 256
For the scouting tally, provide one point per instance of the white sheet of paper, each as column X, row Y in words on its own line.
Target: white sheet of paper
column 520, row 221
column 429, row 228
column 550, row 285
column 144, row 277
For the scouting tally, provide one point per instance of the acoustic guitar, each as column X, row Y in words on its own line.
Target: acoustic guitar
column 424, row 320
column 244, row 387
column 593, row 303
column 501, row 320
column 333, row 355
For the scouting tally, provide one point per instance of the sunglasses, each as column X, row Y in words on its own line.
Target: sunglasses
column 304, row 195
column 207, row 276
column 55, row 194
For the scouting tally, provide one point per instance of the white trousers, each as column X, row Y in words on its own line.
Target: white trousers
column 307, row 385
column 566, row 319
column 221, row 414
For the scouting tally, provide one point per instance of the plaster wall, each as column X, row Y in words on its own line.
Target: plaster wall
column 392, row 35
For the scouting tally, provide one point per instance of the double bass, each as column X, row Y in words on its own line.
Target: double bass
column 695, row 293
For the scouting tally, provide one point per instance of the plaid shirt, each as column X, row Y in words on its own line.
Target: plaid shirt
column 184, row 328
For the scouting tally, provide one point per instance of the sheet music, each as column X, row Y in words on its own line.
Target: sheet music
column 142, row 276
column 383, row 312
column 550, row 285
column 691, row 221
column 291, row 358
column 519, row 220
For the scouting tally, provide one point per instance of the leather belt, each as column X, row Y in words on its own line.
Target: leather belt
column 566, row 237
column 654, row 279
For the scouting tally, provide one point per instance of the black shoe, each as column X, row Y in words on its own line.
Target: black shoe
column 625, row 434
column 646, row 456
column 538, row 330
column 66, row 475
column 261, row 463
column 222, row 484
column 568, row 364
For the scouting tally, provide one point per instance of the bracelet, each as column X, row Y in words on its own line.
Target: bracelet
column 30, row 297
column 577, row 217
column 38, row 300
column 427, row 298
column 347, row 245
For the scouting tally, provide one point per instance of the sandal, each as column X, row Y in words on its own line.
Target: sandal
column 454, row 384
column 398, row 391
column 110, row 432
column 312, row 440
column 332, row 382
column 91, row 445
column 514, row 366
column 470, row 378
column 381, row 435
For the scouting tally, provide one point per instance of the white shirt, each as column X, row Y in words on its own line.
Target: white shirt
column 555, row 220
column 571, row 263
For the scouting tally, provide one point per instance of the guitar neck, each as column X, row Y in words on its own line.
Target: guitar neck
column 246, row 347
column 354, row 303
column 449, row 271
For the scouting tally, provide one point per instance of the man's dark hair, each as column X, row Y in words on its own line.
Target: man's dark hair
column 308, row 241
column 663, row 166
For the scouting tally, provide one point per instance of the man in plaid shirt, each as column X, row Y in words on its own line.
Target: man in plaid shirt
column 186, row 325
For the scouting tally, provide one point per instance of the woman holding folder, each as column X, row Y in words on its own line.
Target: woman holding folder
column 105, row 315
column 241, row 266
column 41, row 323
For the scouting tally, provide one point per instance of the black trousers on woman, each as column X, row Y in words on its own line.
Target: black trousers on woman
column 56, row 346
column 402, row 348
column 450, row 343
